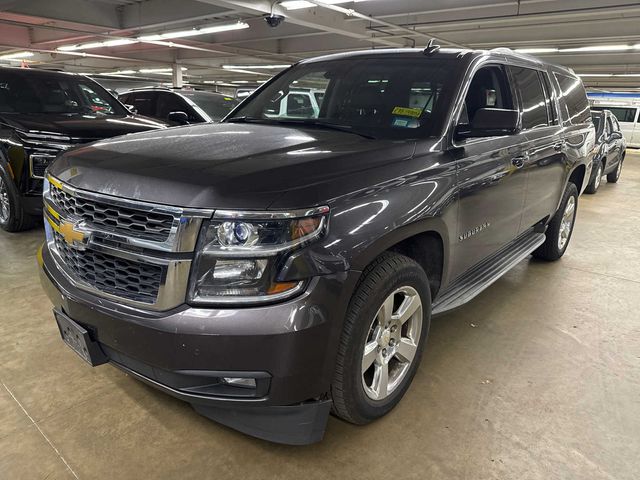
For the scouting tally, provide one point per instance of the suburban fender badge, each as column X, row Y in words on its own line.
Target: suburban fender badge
column 474, row 231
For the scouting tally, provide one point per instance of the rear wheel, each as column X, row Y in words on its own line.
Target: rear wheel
column 596, row 180
column 382, row 341
column 614, row 176
column 560, row 228
column 12, row 215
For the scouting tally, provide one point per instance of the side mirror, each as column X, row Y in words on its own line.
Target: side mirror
column 181, row 118
column 490, row 122
column 615, row 136
column 131, row 108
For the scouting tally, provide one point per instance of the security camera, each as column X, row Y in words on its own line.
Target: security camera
column 273, row 20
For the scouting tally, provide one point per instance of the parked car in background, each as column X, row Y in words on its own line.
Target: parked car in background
column 43, row 113
column 611, row 145
column 301, row 103
column 279, row 268
column 625, row 107
column 179, row 107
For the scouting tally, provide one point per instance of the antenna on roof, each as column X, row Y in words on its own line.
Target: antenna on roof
column 431, row 47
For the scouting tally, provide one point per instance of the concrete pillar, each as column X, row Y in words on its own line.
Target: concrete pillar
column 176, row 75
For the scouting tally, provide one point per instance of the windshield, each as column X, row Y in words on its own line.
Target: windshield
column 215, row 106
column 382, row 97
column 23, row 92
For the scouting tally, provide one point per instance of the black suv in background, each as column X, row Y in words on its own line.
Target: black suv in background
column 611, row 149
column 179, row 107
column 43, row 113
column 281, row 267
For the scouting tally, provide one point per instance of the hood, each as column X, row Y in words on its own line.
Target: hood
column 80, row 126
column 225, row 165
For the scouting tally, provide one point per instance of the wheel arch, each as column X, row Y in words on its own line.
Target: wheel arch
column 425, row 241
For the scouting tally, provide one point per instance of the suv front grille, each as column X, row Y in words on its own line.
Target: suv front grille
column 113, row 275
column 125, row 220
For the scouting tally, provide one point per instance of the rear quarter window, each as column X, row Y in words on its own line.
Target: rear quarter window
column 574, row 98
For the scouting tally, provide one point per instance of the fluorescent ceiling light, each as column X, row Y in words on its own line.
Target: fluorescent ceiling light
column 159, row 70
column 240, row 81
column 193, row 32
column 626, row 75
column 537, row 50
column 258, row 67
column 298, row 4
column 120, row 72
column 599, row 48
column 595, row 74
column 16, row 56
column 87, row 46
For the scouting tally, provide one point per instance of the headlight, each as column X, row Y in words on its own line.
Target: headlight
column 239, row 254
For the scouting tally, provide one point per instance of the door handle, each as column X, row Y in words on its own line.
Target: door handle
column 518, row 162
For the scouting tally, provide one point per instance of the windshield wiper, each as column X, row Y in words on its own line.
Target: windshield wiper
column 244, row 119
column 328, row 126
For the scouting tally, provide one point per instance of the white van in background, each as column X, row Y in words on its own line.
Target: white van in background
column 626, row 108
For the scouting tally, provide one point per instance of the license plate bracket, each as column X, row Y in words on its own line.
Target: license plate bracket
column 77, row 338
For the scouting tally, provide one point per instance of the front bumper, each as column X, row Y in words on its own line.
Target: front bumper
column 289, row 348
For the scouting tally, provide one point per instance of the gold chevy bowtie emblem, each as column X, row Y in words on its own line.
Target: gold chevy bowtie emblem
column 70, row 234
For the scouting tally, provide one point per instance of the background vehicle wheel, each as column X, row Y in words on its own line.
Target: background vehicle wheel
column 596, row 179
column 614, row 176
column 560, row 228
column 384, row 334
column 12, row 216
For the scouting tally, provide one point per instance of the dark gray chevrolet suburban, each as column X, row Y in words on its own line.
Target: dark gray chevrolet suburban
column 286, row 263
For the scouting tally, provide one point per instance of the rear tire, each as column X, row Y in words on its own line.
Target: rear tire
column 596, row 180
column 614, row 176
column 12, row 215
column 560, row 228
column 384, row 334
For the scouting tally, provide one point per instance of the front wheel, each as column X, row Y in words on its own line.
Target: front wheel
column 614, row 176
column 560, row 228
column 13, row 218
column 383, row 337
column 596, row 180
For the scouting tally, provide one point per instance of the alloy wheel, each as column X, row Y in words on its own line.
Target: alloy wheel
column 598, row 178
column 5, row 207
column 392, row 343
column 567, row 222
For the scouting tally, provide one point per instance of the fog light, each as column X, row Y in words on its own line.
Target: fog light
column 240, row 382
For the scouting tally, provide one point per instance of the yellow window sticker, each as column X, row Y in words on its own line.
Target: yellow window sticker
column 407, row 112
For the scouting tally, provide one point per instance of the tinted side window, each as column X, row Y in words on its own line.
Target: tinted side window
column 299, row 105
column 534, row 102
column 488, row 89
column 169, row 102
column 575, row 98
column 623, row 114
column 144, row 102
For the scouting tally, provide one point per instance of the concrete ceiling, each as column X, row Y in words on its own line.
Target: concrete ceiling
column 42, row 26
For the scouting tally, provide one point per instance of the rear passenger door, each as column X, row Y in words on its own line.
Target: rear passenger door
column 544, row 159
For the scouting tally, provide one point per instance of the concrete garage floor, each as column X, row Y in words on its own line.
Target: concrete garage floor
column 538, row 378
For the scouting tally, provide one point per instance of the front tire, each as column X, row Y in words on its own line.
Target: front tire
column 614, row 176
column 13, row 218
column 596, row 180
column 384, row 333
column 560, row 228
